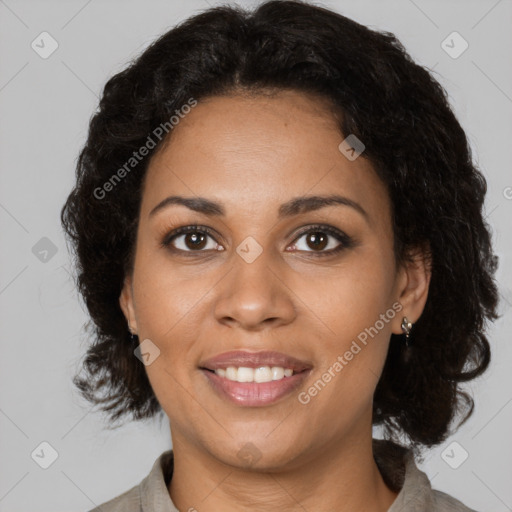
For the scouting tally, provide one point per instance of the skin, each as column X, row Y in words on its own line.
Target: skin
column 252, row 154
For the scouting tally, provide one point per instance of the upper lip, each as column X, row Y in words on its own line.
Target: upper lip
column 247, row 359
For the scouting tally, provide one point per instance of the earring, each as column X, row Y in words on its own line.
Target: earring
column 133, row 335
column 406, row 328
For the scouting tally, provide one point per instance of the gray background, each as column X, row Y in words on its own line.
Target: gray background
column 45, row 105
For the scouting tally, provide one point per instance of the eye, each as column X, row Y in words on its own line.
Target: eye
column 323, row 240
column 191, row 239
column 319, row 239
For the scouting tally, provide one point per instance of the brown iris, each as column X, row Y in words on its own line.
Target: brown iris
column 197, row 240
column 317, row 240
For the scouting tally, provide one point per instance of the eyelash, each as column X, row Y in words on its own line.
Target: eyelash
column 346, row 241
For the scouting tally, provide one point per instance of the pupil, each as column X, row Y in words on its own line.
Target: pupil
column 318, row 239
column 197, row 240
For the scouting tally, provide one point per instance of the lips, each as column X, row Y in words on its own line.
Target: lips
column 239, row 358
column 217, row 371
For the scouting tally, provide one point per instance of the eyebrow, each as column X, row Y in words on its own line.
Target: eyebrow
column 295, row 206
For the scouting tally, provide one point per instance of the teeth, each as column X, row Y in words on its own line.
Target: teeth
column 245, row 375
column 231, row 373
column 277, row 373
column 261, row 374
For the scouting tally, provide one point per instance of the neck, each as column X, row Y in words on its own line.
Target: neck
column 343, row 478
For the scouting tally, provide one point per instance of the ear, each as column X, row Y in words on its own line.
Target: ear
column 127, row 304
column 413, row 285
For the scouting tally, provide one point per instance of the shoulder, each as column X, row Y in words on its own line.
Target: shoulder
column 145, row 495
column 415, row 494
column 129, row 501
column 445, row 503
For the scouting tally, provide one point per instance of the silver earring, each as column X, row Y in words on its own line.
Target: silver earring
column 133, row 335
column 406, row 328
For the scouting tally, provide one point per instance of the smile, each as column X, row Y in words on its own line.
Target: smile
column 261, row 374
column 254, row 378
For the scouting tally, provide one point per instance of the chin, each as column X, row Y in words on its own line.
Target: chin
column 258, row 453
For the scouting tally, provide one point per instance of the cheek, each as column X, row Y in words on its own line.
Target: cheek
column 165, row 294
column 356, row 311
column 167, row 314
column 352, row 298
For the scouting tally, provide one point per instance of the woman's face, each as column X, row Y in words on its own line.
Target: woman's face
column 280, row 282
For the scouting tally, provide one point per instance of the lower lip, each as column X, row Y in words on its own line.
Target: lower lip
column 254, row 394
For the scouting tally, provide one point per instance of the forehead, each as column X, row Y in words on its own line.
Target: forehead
column 249, row 152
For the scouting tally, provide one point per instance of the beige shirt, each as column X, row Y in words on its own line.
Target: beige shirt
column 395, row 463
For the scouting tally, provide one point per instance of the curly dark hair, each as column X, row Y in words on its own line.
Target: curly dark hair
column 412, row 138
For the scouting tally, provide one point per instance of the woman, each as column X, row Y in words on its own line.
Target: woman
column 279, row 237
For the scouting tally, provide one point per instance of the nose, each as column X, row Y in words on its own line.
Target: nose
column 254, row 296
